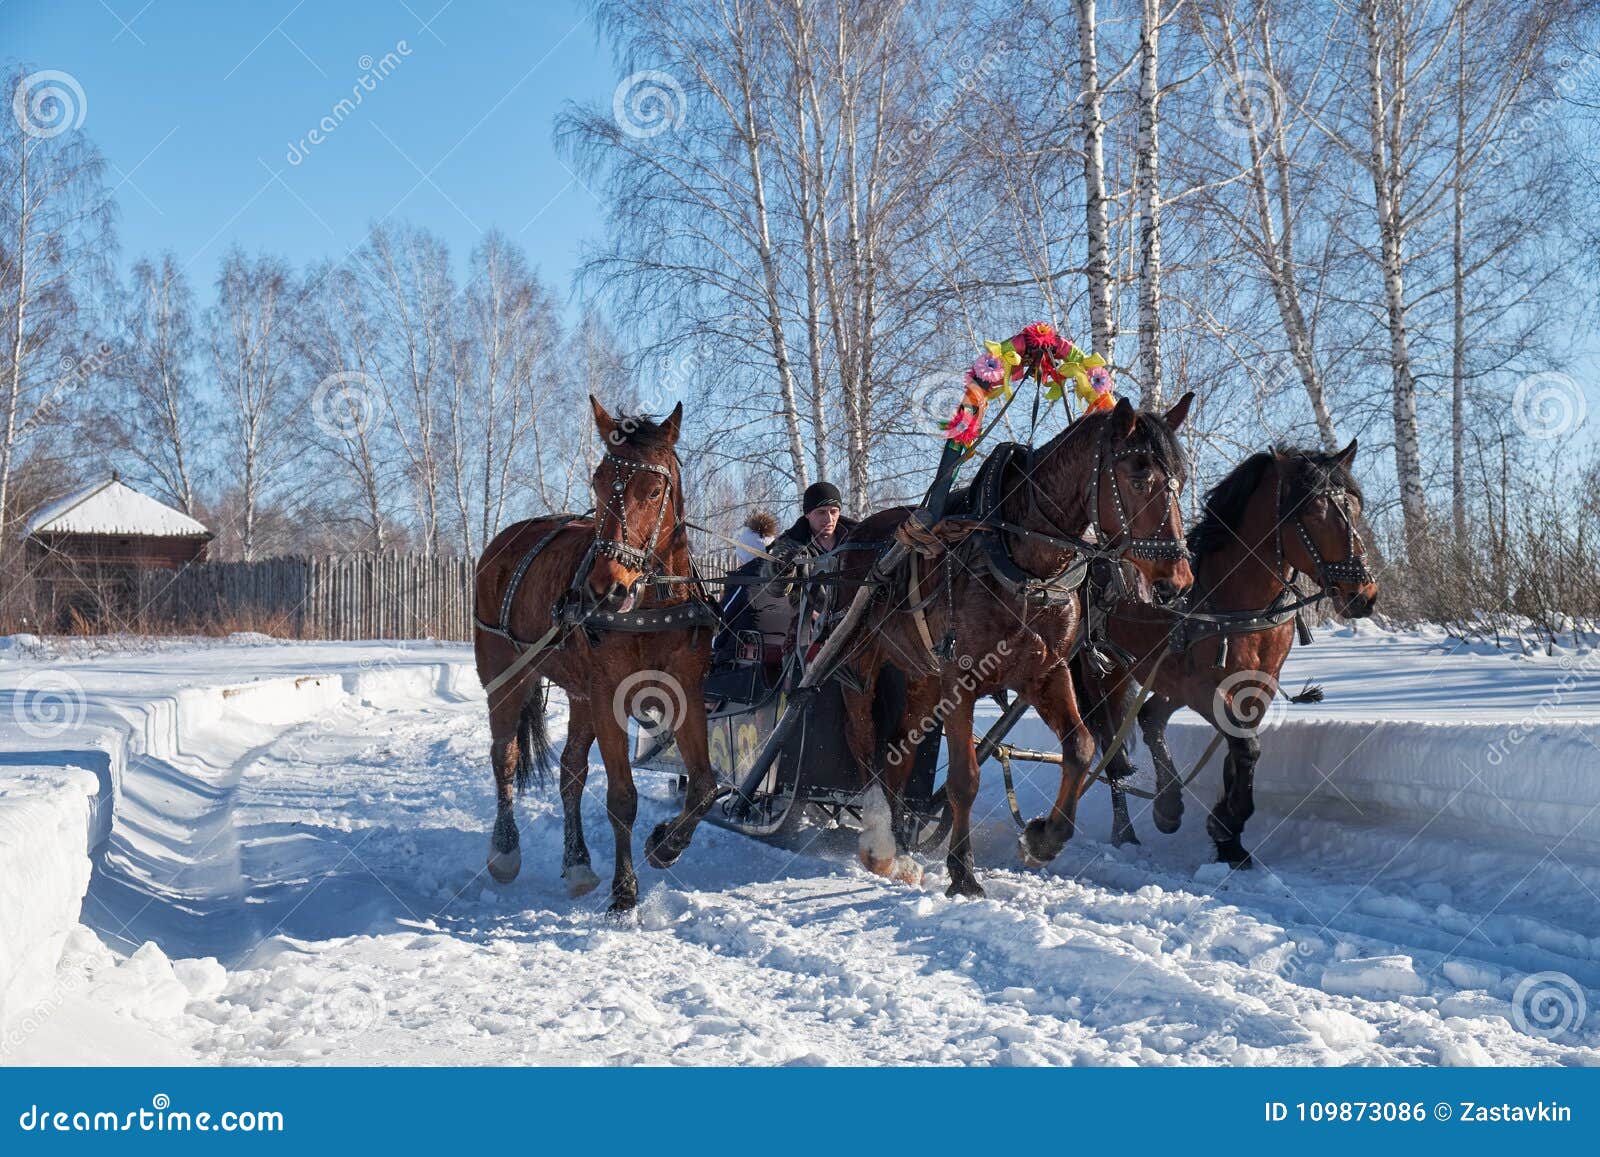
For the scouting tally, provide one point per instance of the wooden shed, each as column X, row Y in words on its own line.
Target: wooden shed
column 85, row 551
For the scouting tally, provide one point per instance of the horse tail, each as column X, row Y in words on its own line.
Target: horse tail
column 1310, row 693
column 533, row 740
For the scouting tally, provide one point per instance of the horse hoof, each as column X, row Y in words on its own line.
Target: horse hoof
column 878, row 865
column 1235, row 857
column 1168, row 815
column 1123, row 837
column 622, row 907
column 504, row 866
column 661, row 850
column 580, row 879
column 1037, row 846
column 966, row 887
column 907, row 871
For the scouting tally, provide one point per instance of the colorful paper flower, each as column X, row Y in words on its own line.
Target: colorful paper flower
column 989, row 369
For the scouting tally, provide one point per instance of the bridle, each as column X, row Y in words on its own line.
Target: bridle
column 1352, row 568
column 1123, row 543
column 615, row 503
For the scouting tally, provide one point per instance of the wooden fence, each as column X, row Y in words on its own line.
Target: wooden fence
column 386, row 596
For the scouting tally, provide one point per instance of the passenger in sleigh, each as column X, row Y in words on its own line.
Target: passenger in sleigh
column 770, row 607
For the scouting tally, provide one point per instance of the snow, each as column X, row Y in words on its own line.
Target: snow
column 112, row 507
column 295, row 875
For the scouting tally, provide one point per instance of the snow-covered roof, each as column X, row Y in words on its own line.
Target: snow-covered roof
column 111, row 507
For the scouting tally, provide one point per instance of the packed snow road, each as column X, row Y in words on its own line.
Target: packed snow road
column 332, row 871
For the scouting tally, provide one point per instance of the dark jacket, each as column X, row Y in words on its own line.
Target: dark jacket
column 797, row 539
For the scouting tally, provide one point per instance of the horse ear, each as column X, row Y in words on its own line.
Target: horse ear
column 1123, row 418
column 604, row 422
column 1346, row 456
column 674, row 424
column 1176, row 415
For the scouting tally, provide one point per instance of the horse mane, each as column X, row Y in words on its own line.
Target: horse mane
column 1305, row 470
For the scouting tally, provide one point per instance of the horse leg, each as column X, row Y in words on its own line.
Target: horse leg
column 505, row 716
column 961, row 786
column 575, row 869
column 1169, row 789
column 893, row 831
column 671, row 837
column 876, row 846
column 1053, row 698
column 622, row 803
column 1104, row 720
column 1227, row 819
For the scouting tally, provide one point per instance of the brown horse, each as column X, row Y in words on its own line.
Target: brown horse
column 1010, row 616
column 531, row 570
column 1278, row 512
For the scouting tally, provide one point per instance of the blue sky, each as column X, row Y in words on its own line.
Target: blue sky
column 196, row 106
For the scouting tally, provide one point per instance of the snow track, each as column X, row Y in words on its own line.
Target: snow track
column 330, row 862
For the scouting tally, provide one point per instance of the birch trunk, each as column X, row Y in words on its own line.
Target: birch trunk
column 765, row 251
column 1148, row 179
column 1096, row 227
column 1458, row 289
column 1384, row 117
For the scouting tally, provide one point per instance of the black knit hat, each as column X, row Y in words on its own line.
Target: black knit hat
column 820, row 494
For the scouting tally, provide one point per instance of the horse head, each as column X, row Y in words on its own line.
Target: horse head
column 638, row 503
column 1319, row 507
column 1139, row 473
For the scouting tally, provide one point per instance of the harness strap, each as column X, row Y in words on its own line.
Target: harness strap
column 917, row 615
column 503, row 627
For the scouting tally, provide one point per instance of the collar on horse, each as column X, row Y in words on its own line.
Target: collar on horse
column 985, row 499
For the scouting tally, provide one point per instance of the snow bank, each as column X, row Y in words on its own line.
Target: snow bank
column 44, row 871
column 1421, row 732
column 82, row 732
